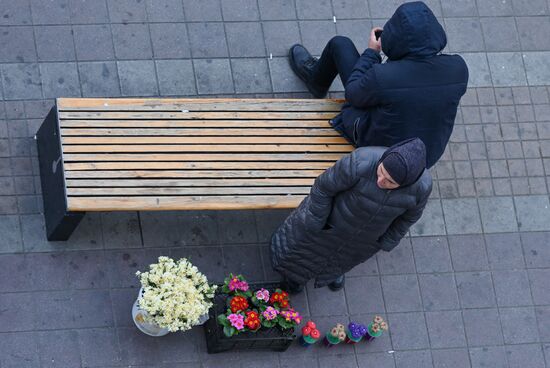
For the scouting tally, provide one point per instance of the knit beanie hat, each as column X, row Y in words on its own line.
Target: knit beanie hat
column 405, row 161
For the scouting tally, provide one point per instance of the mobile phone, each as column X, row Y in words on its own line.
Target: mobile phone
column 377, row 34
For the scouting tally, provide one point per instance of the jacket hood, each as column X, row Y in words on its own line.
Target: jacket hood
column 412, row 31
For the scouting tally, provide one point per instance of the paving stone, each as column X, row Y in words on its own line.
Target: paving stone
column 211, row 262
column 58, row 349
column 504, row 251
column 48, row 271
column 279, row 36
column 88, row 11
column 343, row 361
column 446, row 329
column 506, row 69
column 320, row 305
column 447, row 358
column 207, row 40
column 121, row 230
column 10, row 242
column 132, row 41
column 482, row 327
column 245, row 39
column 8, row 205
column 165, row 10
column 316, row 34
column 539, row 95
column 99, row 79
column 468, row 253
column 512, row 288
column 15, row 13
column 525, row 356
column 431, row 254
column 408, row 331
column 60, row 80
column 283, row 78
column 475, row 289
column 17, row 312
column 364, row 294
column 461, row 216
column 398, row 261
column 401, row 293
column 535, row 249
column 431, row 222
column 93, row 42
column 310, row 9
column 176, row 77
column 251, row 76
column 277, row 10
column 536, row 67
column 213, row 76
column 380, row 360
column 411, row 359
column 21, row 81
column 531, row 32
column 170, row 40
column 540, row 286
column 533, row 213
column 438, row 292
column 99, row 346
column 543, row 321
column 471, row 114
column 127, row 11
column 137, row 78
column 121, row 265
column 500, row 34
column 491, row 356
column 512, row 318
column 497, row 214
column 207, row 10
column 19, row 350
column 458, row 40
column 61, row 50
column 245, row 260
column 50, row 12
column 240, row 10
column 349, row 9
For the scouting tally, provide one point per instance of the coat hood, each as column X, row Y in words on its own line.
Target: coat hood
column 412, row 31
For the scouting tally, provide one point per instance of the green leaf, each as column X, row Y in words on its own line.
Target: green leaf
column 222, row 320
column 248, row 293
column 229, row 331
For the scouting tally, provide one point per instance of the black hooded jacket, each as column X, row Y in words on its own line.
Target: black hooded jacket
column 415, row 94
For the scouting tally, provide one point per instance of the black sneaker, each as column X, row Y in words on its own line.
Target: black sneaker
column 338, row 283
column 302, row 64
column 292, row 287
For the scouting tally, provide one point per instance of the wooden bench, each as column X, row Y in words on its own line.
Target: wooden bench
column 181, row 154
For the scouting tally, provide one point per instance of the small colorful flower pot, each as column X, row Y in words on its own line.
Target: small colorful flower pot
column 330, row 340
column 310, row 334
column 350, row 339
column 371, row 335
column 355, row 333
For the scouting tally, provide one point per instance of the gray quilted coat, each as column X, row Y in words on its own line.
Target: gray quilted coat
column 345, row 220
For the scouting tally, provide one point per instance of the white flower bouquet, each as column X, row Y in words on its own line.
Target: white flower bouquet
column 175, row 294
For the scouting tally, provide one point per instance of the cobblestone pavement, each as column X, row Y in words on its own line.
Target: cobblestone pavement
column 470, row 287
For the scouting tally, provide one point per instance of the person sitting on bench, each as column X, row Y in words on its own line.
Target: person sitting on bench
column 414, row 94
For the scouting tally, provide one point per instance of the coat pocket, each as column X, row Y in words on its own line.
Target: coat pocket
column 356, row 129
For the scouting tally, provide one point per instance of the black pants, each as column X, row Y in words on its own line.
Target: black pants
column 338, row 58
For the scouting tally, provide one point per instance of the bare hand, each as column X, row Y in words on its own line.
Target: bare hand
column 374, row 43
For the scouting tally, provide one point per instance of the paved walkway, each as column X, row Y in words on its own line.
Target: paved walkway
column 469, row 288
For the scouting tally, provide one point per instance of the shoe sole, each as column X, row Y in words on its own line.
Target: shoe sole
column 292, row 63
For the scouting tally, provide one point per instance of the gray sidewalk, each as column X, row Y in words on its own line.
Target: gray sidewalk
column 470, row 287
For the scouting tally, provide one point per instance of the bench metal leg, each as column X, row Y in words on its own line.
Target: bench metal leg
column 59, row 222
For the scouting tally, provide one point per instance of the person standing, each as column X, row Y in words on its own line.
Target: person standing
column 414, row 94
column 366, row 202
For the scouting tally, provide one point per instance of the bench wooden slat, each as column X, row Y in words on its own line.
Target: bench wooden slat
column 113, row 183
column 268, row 115
column 106, row 132
column 194, row 165
column 228, row 104
column 182, row 202
column 203, row 124
column 209, row 148
column 193, row 174
column 161, row 191
column 288, row 157
column 205, row 142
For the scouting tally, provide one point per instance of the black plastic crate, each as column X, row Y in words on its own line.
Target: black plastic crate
column 264, row 339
